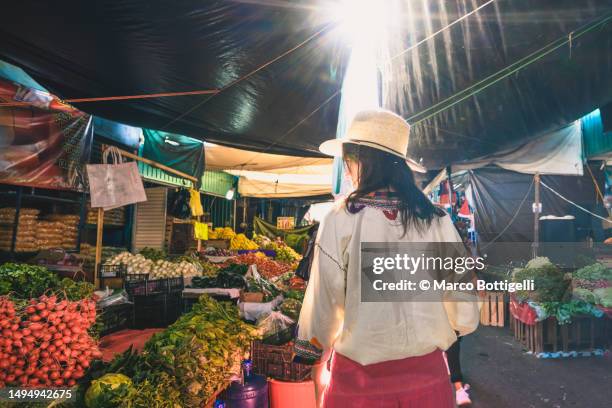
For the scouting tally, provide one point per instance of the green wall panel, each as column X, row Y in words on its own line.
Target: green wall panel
column 217, row 182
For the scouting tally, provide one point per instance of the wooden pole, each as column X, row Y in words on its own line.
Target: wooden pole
column 536, row 215
column 99, row 230
column 158, row 165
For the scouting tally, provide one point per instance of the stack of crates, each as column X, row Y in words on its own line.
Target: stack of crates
column 157, row 302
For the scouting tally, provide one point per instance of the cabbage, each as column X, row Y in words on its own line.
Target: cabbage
column 97, row 395
column 604, row 296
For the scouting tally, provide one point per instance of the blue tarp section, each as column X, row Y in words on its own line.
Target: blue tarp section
column 19, row 76
column 596, row 141
column 124, row 134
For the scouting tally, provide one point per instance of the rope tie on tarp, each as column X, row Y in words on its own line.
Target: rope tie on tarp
column 574, row 204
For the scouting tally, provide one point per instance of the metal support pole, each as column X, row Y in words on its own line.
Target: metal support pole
column 82, row 216
column 536, row 215
column 451, row 191
column 234, row 216
column 244, row 210
column 16, row 221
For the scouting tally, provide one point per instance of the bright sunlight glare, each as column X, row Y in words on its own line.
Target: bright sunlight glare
column 360, row 20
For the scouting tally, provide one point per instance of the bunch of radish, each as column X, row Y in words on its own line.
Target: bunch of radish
column 45, row 343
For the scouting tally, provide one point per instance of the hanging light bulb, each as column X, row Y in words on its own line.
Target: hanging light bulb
column 230, row 194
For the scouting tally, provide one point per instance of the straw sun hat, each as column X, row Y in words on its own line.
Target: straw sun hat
column 379, row 129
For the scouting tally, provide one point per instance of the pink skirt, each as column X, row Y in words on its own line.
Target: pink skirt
column 415, row 382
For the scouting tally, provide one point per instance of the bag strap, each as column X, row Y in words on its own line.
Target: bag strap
column 114, row 154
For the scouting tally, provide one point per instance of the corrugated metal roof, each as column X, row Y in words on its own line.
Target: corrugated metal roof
column 150, row 220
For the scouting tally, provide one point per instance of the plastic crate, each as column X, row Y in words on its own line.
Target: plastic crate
column 146, row 287
column 106, row 271
column 157, row 286
column 116, row 317
column 277, row 362
column 134, row 277
column 157, row 310
column 175, row 284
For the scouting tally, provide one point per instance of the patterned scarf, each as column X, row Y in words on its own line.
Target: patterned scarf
column 386, row 201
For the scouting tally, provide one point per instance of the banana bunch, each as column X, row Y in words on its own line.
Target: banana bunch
column 222, row 233
column 240, row 241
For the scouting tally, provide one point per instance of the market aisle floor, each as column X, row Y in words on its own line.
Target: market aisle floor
column 502, row 375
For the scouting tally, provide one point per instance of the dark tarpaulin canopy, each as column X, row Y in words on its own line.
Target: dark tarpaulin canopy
column 106, row 48
column 498, row 195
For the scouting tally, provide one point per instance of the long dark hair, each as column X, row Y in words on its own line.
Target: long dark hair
column 382, row 171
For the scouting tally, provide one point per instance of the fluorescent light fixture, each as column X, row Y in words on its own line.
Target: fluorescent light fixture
column 230, row 194
column 171, row 142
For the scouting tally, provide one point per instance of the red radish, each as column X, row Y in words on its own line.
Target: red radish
column 36, row 326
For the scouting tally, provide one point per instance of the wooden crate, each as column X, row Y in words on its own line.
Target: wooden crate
column 277, row 362
column 584, row 333
column 493, row 311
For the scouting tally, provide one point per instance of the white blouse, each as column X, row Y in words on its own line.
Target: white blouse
column 333, row 315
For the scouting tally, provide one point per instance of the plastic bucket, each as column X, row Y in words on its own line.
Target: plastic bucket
column 292, row 394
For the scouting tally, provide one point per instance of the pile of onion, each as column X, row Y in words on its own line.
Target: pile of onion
column 46, row 342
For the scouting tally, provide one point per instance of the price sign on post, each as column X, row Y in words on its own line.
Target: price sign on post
column 285, row 223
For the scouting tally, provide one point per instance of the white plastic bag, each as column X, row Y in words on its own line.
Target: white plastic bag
column 114, row 185
column 273, row 323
